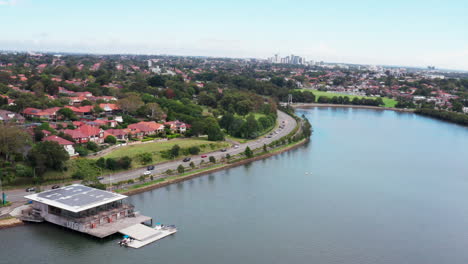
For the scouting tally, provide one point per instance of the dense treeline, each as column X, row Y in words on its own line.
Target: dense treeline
column 345, row 100
column 453, row 117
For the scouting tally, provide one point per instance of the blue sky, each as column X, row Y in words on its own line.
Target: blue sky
column 397, row 32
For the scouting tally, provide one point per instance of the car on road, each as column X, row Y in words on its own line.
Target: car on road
column 204, row 156
column 100, row 178
column 186, row 159
column 31, row 189
column 223, row 150
column 150, row 167
column 55, row 186
column 146, row 173
column 236, row 146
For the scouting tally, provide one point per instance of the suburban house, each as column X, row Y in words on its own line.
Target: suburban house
column 177, row 126
column 81, row 110
column 110, row 109
column 48, row 114
column 86, row 133
column 10, row 117
column 102, row 122
column 67, row 145
column 147, row 128
column 119, row 134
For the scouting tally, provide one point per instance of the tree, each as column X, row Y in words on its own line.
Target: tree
column 110, row 139
column 86, row 102
column 47, row 155
column 111, row 164
column 145, row 158
column 174, row 152
column 155, row 112
column 180, row 169
column 92, row 146
column 97, row 109
column 192, row 165
column 101, row 162
column 67, row 114
column 212, row 159
column 265, row 148
column 38, row 134
column 13, row 141
column 130, row 103
column 125, row 162
column 248, row 152
column 194, row 150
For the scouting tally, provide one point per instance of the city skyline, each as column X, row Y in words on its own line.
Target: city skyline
column 414, row 34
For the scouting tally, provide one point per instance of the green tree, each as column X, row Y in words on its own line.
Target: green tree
column 47, row 155
column 101, row 162
column 192, row 165
column 175, row 151
column 180, row 169
column 67, row 114
column 248, row 152
column 145, row 158
column 110, row 139
column 212, row 159
column 13, row 141
column 194, row 150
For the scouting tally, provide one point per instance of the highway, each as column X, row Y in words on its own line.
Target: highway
column 289, row 123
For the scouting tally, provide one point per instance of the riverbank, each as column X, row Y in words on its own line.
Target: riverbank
column 310, row 105
column 10, row 222
column 188, row 176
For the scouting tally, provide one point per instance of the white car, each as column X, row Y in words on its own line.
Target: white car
column 146, row 173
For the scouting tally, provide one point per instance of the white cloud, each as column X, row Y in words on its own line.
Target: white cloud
column 8, row 2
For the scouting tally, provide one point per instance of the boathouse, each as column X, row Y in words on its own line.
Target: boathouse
column 84, row 209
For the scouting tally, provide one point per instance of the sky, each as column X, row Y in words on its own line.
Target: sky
column 397, row 32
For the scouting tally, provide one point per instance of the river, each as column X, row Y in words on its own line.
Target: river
column 377, row 187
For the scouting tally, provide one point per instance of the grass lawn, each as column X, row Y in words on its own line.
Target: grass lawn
column 388, row 102
column 86, row 165
column 156, row 147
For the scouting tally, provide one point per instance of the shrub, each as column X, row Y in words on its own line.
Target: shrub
column 192, row 165
column 78, row 175
column 169, row 172
column 151, row 177
column 194, row 150
column 228, row 156
column 131, row 181
column 125, row 162
column 82, row 151
column 101, row 162
column 110, row 139
column 141, row 178
column 212, row 159
column 92, row 146
column 248, row 152
column 111, row 164
column 145, row 158
column 180, row 169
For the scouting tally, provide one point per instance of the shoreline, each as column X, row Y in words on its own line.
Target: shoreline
column 201, row 173
column 310, row 105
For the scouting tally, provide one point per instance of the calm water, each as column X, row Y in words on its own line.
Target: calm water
column 372, row 187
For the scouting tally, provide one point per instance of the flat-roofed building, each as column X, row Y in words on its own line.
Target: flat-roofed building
column 84, row 209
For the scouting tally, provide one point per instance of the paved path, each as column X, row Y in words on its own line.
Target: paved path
column 17, row 195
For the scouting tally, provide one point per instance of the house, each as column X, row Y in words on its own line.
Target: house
column 86, row 133
column 110, row 109
column 102, row 122
column 177, row 126
column 49, row 114
column 119, row 134
column 67, row 145
column 81, row 110
column 147, row 128
column 10, row 117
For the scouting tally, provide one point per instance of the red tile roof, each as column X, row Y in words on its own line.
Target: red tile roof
column 57, row 139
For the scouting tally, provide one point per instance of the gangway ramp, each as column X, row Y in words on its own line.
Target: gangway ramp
column 144, row 235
